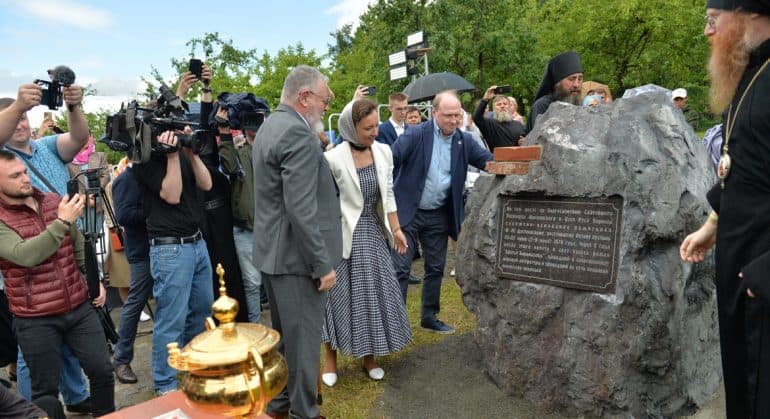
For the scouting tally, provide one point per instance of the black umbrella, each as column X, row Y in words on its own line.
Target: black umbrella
column 426, row 87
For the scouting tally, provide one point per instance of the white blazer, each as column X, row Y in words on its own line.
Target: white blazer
column 351, row 200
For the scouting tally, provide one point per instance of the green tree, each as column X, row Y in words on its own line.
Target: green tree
column 361, row 57
column 270, row 72
column 485, row 41
column 236, row 70
column 628, row 43
column 230, row 66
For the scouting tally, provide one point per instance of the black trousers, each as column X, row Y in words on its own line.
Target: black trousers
column 40, row 339
column 7, row 338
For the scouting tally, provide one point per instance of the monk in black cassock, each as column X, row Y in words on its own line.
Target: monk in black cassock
column 739, row 33
column 562, row 81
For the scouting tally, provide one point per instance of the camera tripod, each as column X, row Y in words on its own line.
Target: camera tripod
column 95, row 242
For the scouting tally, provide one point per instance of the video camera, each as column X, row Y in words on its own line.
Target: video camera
column 244, row 111
column 61, row 77
column 137, row 128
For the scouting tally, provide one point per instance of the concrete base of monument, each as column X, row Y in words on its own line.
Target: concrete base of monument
column 573, row 271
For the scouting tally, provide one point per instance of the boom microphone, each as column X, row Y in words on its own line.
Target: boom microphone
column 63, row 75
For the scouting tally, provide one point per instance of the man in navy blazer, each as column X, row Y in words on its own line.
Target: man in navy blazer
column 390, row 130
column 431, row 161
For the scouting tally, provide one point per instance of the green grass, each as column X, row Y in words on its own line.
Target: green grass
column 355, row 394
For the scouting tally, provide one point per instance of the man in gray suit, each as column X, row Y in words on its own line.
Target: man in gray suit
column 297, row 232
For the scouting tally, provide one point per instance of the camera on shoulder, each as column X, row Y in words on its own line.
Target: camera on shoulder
column 244, row 111
column 137, row 128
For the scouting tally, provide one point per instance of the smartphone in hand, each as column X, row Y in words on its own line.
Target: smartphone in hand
column 73, row 187
column 506, row 88
column 196, row 67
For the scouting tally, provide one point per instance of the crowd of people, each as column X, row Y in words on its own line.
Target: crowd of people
column 326, row 233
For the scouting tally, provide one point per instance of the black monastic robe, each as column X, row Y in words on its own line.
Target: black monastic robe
column 743, row 246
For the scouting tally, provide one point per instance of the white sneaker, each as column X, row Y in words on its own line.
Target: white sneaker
column 144, row 317
column 452, row 273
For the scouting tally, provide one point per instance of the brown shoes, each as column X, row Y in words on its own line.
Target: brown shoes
column 125, row 374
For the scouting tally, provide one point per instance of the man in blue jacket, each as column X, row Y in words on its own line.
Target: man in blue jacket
column 391, row 129
column 431, row 161
column 129, row 212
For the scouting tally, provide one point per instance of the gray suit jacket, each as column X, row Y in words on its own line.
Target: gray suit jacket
column 297, row 227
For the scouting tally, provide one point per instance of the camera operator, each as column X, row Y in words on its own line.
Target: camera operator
column 237, row 164
column 179, row 261
column 501, row 130
column 46, row 161
column 218, row 217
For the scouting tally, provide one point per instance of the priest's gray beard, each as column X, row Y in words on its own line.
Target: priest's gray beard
column 568, row 96
column 503, row 116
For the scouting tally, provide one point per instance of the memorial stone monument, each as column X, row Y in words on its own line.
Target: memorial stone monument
column 573, row 269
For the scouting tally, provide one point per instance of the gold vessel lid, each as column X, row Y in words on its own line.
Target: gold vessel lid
column 227, row 344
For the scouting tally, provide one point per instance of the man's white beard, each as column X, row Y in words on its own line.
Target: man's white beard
column 317, row 126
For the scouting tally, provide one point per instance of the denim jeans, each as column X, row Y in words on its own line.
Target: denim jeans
column 72, row 384
column 252, row 279
column 139, row 292
column 41, row 339
column 431, row 228
column 183, row 298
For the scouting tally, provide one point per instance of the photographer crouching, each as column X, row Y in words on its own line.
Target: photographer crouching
column 179, row 260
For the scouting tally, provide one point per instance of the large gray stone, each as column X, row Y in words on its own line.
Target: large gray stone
column 650, row 349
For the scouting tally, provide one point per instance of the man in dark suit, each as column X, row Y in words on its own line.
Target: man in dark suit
column 431, row 161
column 297, row 232
column 391, row 129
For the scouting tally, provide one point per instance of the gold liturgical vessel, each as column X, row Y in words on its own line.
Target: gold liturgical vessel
column 234, row 369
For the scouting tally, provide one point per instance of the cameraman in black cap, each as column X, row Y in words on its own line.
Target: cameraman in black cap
column 562, row 81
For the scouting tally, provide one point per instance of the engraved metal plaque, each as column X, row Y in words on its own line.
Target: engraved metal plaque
column 561, row 241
